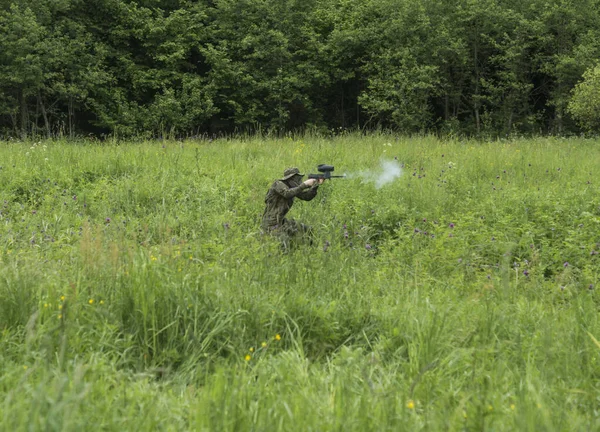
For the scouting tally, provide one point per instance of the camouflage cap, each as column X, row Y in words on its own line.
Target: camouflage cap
column 291, row 172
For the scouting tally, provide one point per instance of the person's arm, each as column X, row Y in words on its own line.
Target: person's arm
column 307, row 195
column 287, row 192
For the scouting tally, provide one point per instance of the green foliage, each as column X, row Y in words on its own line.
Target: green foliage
column 137, row 291
column 178, row 68
column 585, row 103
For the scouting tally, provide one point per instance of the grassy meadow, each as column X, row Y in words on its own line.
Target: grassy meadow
column 138, row 293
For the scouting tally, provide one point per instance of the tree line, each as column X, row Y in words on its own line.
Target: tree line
column 185, row 68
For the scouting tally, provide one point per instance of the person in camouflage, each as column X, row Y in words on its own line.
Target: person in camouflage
column 279, row 201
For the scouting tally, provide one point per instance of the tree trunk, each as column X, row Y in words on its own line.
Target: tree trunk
column 476, row 95
column 44, row 115
column 23, row 105
column 70, row 117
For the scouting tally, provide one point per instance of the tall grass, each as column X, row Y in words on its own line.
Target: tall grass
column 137, row 292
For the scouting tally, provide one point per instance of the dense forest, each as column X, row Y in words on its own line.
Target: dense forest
column 187, row 68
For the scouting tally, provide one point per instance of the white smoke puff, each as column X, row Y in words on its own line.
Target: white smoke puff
column 389, row 171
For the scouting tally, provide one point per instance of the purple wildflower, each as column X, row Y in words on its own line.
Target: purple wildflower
column 566, row 264
column 107, row 220
column 451, row 225
column 591, row 287
column 226, row 225
column 526, row 272
column 368, row 246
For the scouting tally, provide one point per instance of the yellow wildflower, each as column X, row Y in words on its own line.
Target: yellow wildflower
column 101, row 301
column 251, row 349
column 59, row 316
column 91, row 301
column 264, row 344
column 62, row 298
column 410, row 404
column 248, row 357
column 277, row 336
column 512, row 406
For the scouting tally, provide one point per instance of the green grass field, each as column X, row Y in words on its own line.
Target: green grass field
column 138, row 293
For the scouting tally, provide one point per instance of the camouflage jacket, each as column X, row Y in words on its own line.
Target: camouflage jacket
column 279, row 201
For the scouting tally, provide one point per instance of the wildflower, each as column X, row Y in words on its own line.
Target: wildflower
column 512, row 407
column 451, row 225
column 525, row 272
column 60, row 307
column 24, row 367
column 277, row 337
column 251, row 349
column 62, row 298
column 91, row 301
column 490, row 408
column 248, row 357
column 226, row 225
column 101, row 302
column 368, row 246
column 107, row 220
column 566, row 264
column 591, row 287
column 264, row 344
column 45, row 305
column 410, row 404
column 60, row 316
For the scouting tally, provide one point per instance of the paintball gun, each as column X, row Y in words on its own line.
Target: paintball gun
column 325, row 171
